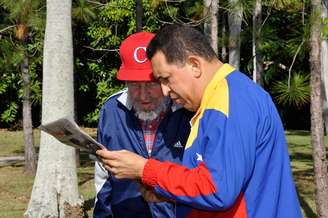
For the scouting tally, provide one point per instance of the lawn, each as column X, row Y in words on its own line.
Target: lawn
column 16, row 186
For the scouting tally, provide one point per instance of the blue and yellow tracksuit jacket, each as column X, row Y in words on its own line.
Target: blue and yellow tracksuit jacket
column 236, row 161
column 119, row 129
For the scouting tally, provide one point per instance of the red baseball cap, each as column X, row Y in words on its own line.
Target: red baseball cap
column 135, row 64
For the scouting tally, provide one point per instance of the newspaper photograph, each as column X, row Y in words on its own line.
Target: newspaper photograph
column 68, row 132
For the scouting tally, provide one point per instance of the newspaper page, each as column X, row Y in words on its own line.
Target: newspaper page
column 68, row 132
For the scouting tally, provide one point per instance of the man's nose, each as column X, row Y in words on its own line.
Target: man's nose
column 143, row 92
column 165, row 89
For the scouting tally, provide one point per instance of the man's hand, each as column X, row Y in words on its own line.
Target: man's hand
column 149, row 195
column 123, row 164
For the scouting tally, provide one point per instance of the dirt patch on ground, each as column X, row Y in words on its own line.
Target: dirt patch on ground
column 75, row 211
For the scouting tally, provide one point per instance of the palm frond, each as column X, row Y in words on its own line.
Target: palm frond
column 297, row 94
column 82, row 11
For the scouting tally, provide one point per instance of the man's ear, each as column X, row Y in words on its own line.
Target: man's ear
column 194, row 63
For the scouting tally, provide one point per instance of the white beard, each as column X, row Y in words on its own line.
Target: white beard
column 152, row 115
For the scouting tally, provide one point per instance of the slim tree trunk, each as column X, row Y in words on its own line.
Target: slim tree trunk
column 211, row 22
column 30, row 155
column 55, row 190
column 235, row 20
column 224, row 38
column 317, row 139
column 324, row 66
column 77, row 157
column 207, row 23
column 139, row 15
column 257, row 56
column 214, row 25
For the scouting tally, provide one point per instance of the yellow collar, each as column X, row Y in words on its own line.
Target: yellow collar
column 221, row 73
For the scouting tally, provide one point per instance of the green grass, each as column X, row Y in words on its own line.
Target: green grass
column 11, row 142
column 300, row 152
column 16, row 186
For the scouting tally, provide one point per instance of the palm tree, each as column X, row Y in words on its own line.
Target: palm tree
column 82, row 13
column 317, row 139
column 223, row 37
column 24, row 18
column 257, row 56
column 139, row 15
column 55, row 190
column 211, row 22
column 235, row 20
column 324, row 65
column 294, row 90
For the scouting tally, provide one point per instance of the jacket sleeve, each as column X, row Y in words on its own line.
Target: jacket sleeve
column 216, row 168
column 102, row 208
column 103, row 187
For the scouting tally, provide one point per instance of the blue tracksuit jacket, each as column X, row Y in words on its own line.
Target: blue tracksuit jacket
column 236, row 162
column 119, row 129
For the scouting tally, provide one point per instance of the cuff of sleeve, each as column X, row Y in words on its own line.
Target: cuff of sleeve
column 149, row 174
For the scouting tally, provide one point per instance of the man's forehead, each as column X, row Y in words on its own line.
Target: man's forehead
column 140, row 82
column 156, row 75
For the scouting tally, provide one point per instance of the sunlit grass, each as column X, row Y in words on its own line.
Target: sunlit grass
column 16, row 186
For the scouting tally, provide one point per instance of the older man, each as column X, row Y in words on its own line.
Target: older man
column 141, row 120
column 236, row 162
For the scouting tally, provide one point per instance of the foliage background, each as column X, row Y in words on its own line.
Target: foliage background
column 100, row 26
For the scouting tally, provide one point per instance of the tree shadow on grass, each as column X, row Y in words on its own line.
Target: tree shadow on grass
column 300, row 156
column 86, row 177
column 88, row 205
column 303, row 157
column 21, row 151
column 306, row 207
column 85, row 160
column 298, row 132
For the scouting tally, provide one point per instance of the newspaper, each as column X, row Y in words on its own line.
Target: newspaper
column 68, row 132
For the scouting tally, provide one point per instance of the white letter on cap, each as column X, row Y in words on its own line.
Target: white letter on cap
column 135, row 55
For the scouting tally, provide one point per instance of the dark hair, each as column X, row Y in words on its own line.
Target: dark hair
column 177, row 42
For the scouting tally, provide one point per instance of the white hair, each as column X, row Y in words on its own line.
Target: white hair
column 153, row 114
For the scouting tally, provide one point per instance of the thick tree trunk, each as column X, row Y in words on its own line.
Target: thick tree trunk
column 324, row 66
column 235, row 20
column 257, row 56
column 30, row 155
column 317, row 139
column 55, row 189
column 139, row 15
column 211, row 22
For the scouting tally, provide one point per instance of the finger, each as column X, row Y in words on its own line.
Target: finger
column 142, row 191
column 108, row 168
column 107, row 162
column 105, row 154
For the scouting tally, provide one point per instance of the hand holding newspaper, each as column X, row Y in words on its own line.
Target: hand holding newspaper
column 68, row 132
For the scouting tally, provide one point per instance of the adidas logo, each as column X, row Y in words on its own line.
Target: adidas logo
column 177, row 145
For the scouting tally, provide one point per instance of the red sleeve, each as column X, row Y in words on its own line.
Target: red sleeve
column 178, row 180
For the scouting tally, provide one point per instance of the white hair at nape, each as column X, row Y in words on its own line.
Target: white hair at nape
column 154, row 114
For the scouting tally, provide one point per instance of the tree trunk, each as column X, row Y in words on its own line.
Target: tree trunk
column 55, row 190
column 324, row 66
column 211, row 22
column 224, row 38
column 77, row 157
column 139, row 15
column 257, row 56
column 235, row 20
column 317, row 139
column 30, row 155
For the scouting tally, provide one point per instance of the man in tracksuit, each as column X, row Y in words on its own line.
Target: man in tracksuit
column 141, row 120
column 236, row 162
